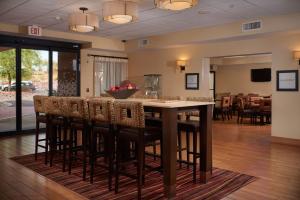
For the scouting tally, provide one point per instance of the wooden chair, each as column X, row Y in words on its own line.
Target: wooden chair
column 265, row 110
column 243, row 111
column 223, row 109
column 100, row 115
column 40, row 118
column 254, row 105
column 130, row 120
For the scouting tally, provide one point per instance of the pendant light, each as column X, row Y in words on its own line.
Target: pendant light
column 120, row 11
column 83, row 22
column 175, row 5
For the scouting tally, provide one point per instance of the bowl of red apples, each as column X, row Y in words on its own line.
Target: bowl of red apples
column 125, row 90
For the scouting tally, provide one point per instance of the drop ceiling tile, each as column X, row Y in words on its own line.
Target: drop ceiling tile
column 151, row 20
column 6, row 5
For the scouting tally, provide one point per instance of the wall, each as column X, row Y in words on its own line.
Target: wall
column 237, row 79
column 285, row 109
column 164, row 62
column 96, row 42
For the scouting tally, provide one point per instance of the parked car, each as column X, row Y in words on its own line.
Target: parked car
column 25, row 85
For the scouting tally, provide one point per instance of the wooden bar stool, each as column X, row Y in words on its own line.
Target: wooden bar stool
column 100, row 115
column 40, row 118
column 55, row 121
column 130, row 120
column 76, row 108
column 189, row 127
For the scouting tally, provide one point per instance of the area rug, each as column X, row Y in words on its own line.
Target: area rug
column 222, row 183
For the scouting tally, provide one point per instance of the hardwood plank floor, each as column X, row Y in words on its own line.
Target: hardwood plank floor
column 243, row 148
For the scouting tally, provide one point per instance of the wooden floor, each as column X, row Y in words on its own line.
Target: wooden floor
column 243, row 148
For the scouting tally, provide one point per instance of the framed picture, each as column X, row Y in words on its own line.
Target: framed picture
column 287, row 80
column 192, row 81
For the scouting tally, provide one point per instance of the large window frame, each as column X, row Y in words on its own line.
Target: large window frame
column 19, row 43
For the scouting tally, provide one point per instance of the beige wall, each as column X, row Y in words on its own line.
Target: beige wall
column 237, row 79
column 285, row 110
column 232, row 31
column 94, row 41
column 164, row 62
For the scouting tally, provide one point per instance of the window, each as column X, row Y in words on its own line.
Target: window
column 108, row 72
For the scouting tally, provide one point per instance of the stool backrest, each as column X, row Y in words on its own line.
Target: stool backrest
column 100, row 110
column 39, row 102
column 55, row 106
column 129, row 114
column 75, row 107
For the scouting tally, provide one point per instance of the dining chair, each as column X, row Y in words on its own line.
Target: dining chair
column 265, row 110
column 130, row 120
column 100, row 115
column 222, row 108
column 243, row 111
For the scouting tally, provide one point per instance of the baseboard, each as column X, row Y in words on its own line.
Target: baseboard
column 287, row 141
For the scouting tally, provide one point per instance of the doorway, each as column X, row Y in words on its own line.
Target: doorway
column 243, row 88
column 31, row 67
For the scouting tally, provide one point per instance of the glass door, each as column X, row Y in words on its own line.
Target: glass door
column 31, row 67
column 7, row 89
column 34, row 81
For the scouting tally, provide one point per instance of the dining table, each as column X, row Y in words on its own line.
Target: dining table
column 169, row 110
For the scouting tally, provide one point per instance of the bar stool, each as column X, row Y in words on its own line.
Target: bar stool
column 130, row 120
column 77, row 121
column 153, row 118
column 55, row 121
column 40, row 118
column 191, row 127
column 100, row 114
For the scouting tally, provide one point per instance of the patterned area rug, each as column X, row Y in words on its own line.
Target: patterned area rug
column 221, row 184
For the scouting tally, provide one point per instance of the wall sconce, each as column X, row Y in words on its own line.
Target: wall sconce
column 181, row 65
column 297, row 56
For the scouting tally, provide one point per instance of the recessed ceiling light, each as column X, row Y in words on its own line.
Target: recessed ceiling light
column 58, row 18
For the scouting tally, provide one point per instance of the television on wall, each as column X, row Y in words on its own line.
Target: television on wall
column 261, row 75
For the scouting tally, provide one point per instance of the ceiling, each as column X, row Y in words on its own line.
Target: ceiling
column 53, row 14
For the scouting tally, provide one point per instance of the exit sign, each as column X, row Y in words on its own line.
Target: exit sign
column 35, row 30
